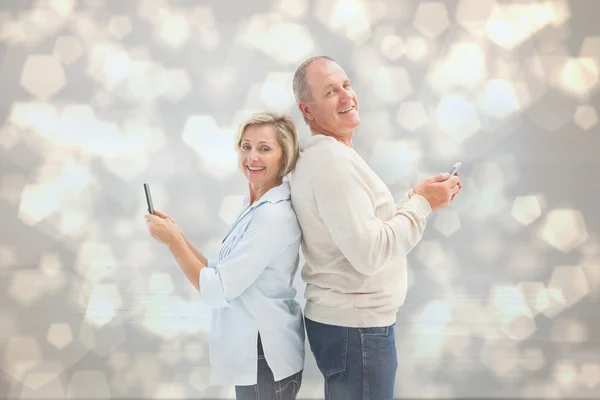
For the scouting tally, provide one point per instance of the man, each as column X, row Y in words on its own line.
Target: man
column 355, row 240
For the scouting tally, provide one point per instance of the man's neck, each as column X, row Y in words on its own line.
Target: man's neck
column 345, row 139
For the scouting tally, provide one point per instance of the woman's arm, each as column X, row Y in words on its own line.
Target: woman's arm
column 189, row 261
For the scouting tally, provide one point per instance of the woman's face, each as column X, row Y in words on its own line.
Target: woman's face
column 260, row 155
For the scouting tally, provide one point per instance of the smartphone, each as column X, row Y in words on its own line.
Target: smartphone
column 148, row 198
column 455, row 168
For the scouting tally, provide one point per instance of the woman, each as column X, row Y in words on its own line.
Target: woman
column 257, row 330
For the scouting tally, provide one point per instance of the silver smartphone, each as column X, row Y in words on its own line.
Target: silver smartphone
column 455, row 168
column 148, row 198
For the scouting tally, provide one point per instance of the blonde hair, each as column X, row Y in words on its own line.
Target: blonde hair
column 285, row 131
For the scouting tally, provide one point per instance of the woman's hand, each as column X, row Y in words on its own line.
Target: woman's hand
column 163, row 228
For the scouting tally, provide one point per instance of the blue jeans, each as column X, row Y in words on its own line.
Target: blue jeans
column 357, row 363
column 266, row 387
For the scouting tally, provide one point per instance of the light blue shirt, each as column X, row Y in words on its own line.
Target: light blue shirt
column 249, row 289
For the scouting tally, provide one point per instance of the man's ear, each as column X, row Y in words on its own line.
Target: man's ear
column 305, row 111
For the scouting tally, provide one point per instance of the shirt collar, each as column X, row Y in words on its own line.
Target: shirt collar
column 273, row 195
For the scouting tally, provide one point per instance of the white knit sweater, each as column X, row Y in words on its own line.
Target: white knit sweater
column 355, row 238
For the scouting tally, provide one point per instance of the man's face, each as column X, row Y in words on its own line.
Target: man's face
column 333, row 108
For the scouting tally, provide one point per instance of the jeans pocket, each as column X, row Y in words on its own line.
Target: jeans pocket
column 377, row 331
column 329, row 345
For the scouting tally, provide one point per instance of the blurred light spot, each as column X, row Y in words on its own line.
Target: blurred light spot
column 88, row 385
column 60, row 335
column 21, row 355
column 488, row 248
column 565, row 373
column 464, row 67
column 351, row 18
column 434, row 318
column 170, row 391
column 411, row 115
column 177, row 84
column 43, row 76
column 457, row 117
column 171, row 28
column 196, row 351
column 590, row 48
column 42, row 385
column 214, row 145
column 501, row 357
column 473, row 15
column 9, row 137
column 568, row 330
column 518, row 327
column 294, row 8
column 394, row 159
column 431, row 254
column 533, row 359
column 570, row 282
column 63, row 7
column 276, row 93
column 95, row 260
column 564, row 229
column 586, row 117
column 590, row 375
column 103, row 301
column 199, row 378
column 379, row 125
column 230, row 208
column 160, row 283
column 431, row 18
column 68, row 49
column 500, row 99
column 119, row 26
column 391, row 84
column 126, row 166
column 447, row 222
column 392, row 47
column 8, row 257
column 579, row 76
column 562, row 113
column 169, row 316
column 118, row 360
column 416, row 48
column 509, row 301
column 117, row 66
column 287, row 42
column 27, row 286
column 526, row 209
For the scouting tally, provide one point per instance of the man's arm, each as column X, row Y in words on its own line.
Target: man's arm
column 345, row 206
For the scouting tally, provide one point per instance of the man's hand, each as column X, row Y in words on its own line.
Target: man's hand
column 439, row 190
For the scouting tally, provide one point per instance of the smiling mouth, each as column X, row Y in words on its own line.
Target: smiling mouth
column 346, row 110
column 255, row 169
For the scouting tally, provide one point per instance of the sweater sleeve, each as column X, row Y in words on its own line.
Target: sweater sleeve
column 345, row 204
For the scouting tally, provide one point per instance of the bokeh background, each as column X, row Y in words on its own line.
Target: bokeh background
column 100, row 96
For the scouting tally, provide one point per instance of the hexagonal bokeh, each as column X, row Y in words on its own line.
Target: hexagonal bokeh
column 457, row 117
column 417, row 49
column 431, row 18
column 391, row 84
column 214, row 145
column 564, row 229
column 533, row 359
column 589, row 375
column 473, row 15
column 394, row 159
column 103, row 301
column 27, row 286
column 21, row 355
column 569, row 330
column 88, row 385
column 230, row 208
column 42, row 385
column 119, row 26
column 590, row 48
column 276, row 92
column 519, row 327
column 579, row 76
column 160, row 283
column 411, row 115
column 172, row 29
column 463, row 67
column 570, row 282
column 586, row 117
column 500, row 99
column 199, row 378
column 526, row 209
column 294, row 8
column 447, row 222
column 68, row 49
column 392, row 47
column 501, row 357
column 177, row 84
column 60, row 335
column 43, row 76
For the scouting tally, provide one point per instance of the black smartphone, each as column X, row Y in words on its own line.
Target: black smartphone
column 148, row 198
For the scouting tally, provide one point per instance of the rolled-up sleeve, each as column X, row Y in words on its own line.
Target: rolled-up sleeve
column 265, row 238
column 211, row 263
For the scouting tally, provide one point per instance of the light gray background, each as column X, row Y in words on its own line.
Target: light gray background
column 98, row 97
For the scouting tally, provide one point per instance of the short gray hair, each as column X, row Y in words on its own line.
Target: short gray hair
column 285, row 131
column 299, row 84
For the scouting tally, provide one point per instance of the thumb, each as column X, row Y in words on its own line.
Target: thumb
column 160, row 214
column 441, row 177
